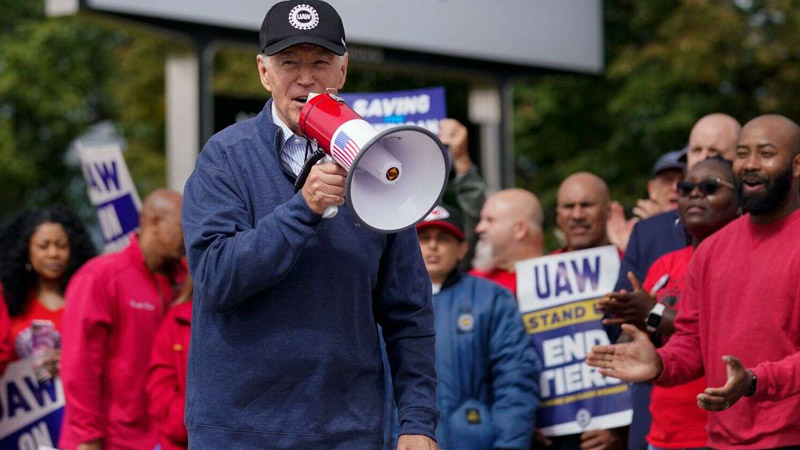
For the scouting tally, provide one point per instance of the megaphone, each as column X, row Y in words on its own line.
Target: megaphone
column 395, row 177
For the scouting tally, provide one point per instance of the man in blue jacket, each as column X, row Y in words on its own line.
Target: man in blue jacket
column 285, row 351
column 487, row 369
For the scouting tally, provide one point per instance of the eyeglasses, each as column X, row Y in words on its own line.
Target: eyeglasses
column 706, row 187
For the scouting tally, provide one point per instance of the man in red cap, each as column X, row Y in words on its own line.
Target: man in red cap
column 487, row 368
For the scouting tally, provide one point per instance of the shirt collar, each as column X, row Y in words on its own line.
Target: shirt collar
column 285, row 130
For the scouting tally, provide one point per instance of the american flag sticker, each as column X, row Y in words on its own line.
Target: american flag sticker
column 344, row 149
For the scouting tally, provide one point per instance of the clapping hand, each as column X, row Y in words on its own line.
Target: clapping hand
column 627, row 307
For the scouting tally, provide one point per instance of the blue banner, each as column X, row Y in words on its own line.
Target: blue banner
column 421, row 107
column 557, row 299
column 112, row 194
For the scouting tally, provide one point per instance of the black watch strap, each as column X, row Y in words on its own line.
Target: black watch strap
column 753, row 386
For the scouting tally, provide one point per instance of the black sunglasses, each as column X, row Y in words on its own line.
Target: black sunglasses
column 706, row 187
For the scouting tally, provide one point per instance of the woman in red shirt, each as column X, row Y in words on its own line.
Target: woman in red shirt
column 39, row 251
column 707, row 203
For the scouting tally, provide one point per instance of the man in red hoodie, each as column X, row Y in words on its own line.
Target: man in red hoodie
column 114, row 305
column 738, row 319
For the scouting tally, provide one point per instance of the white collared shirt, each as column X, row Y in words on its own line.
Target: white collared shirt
column 293, row 148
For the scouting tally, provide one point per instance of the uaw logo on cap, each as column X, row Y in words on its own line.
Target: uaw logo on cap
column 438, row 213
column 303, row 17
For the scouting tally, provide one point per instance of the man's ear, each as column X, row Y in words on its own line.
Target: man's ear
column 463, row 248
column 519, row 230
column 263, row 75
column 346, row 59
column 796, row 166
column 650, row 188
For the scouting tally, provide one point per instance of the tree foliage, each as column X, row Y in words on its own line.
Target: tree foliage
column 668, row 64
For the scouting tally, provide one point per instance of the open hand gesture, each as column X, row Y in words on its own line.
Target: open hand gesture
column 738, row 385
column 635, row 361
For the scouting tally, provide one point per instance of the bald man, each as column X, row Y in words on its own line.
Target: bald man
column 714, row 134
column 738, row 319
column 582, row 209
column 114, row 305
column 510, row 230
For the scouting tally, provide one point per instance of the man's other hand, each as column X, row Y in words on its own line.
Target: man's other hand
column 619, row 228
column 601, row 440
column 738, row 384
column 454, row 135
column 324, row 186
column 645, row 209
column 635, row 361
column 93, row 445
column 416, row 442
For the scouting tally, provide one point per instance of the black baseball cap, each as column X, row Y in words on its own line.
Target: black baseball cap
column 445, row 217
column 670, row 161
column 294, row 22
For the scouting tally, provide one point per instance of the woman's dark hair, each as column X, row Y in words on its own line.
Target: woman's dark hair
column 15, row 236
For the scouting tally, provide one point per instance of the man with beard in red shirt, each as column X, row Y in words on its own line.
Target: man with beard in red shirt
column 738, row 318
column 510, row 230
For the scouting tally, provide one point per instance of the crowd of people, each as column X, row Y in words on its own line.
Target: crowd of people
column 283, row 333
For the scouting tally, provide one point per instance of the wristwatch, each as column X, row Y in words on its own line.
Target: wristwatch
column 654, row 317
column 753, row 386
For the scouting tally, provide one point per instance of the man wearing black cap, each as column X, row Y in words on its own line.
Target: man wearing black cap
column 662, row 188
column 285, row 352
column 487, row 368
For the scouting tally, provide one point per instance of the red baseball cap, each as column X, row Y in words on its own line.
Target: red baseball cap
column 444, row 217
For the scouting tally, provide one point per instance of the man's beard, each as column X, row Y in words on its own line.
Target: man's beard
column 484, row 255
column 775, row 194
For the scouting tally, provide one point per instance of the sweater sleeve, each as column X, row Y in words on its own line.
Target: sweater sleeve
column 681, row 358
column 85, row 326
column 165, row 400
column 778, row 379
column 404, row 310
column 231, row 260
column 515, row 369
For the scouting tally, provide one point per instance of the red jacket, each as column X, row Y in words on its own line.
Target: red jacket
column 166, row 383
column 5, row 335
column 114, row 306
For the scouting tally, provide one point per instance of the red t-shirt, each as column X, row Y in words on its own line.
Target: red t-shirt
column 677, row 420
column 21, row 326
column 502, row 277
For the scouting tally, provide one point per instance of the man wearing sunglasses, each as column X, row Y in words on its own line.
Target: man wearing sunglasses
column 707, row 203
column 737, row 323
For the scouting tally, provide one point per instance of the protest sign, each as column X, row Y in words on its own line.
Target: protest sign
column 111, row 192
column 421, row 107
column 557, row 297
column 30, row 411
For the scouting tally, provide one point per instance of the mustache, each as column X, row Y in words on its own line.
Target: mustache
column 753, row 176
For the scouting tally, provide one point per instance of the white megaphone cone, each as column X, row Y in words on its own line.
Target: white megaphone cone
column 395, row 177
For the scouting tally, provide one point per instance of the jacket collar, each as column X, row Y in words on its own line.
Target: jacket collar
column 134, row 252
column 452, row 278
column 270, row 132
column 183, row 314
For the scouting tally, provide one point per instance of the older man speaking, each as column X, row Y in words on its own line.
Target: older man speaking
column 285, row 351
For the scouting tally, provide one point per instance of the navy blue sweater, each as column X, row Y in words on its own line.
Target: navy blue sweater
column 284, row 351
